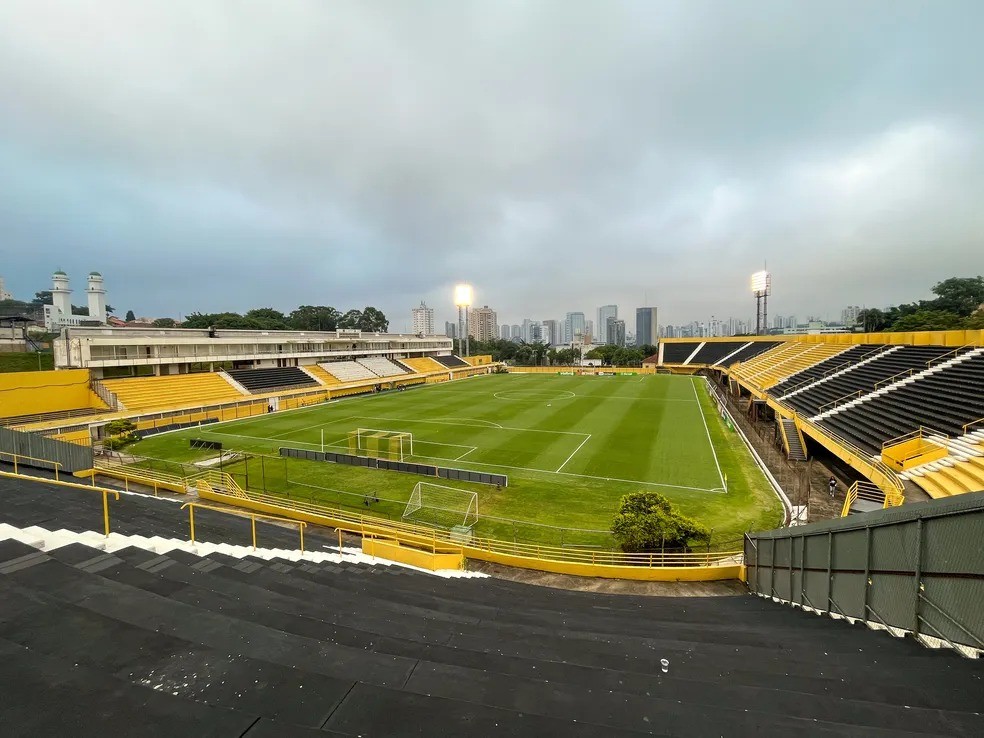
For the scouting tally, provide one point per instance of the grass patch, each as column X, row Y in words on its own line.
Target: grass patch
column 571, row 446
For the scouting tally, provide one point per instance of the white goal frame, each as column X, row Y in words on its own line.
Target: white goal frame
column 445, row 499
column 405, row 438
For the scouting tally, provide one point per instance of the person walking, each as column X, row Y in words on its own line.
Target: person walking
column 832, row 486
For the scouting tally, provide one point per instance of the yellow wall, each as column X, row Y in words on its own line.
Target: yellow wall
column 30, row 393
column 480, row 360
column 393, row 551
column 918, row 338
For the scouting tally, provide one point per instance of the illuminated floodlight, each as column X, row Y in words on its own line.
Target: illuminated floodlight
column 761, row 283
column 463, row 295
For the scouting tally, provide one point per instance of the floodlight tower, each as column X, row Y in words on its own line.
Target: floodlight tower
column 761, row 288
column 463, row 296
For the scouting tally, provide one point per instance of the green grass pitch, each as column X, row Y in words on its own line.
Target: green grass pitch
column 571, row 446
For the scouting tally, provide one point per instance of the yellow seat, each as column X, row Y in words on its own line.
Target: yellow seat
column 172, row 391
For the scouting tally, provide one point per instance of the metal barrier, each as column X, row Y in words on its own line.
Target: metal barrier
column 913, row 569
column 301, row 525
column 17, row 457
column 105, row 492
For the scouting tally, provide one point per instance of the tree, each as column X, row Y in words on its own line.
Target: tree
column 959, row 295
column 928, row 320
column 80, row 310
column 975, row 321
column 314, row 318
column 266, row 319
column 646, row 521
column 371, row 320
column 350, row 319
column 42, row 298
column 872, row 320
column 130, row 317
column 164, row 323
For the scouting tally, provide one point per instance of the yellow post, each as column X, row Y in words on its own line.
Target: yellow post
column 56, row 470
column 253, row 520
column 191, row 521
column 301, row 529
column 15, row 463
column 339, row 541
column 106, row 511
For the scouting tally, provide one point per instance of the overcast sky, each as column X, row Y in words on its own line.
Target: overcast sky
column 213, row 156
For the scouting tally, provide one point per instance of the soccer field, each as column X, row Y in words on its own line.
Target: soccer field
column 571, row 446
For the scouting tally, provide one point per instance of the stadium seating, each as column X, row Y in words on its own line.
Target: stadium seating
column 713, row 351
column 259, row 381
column 751, row 351
column 321, row 375
column 944, row 397
column 348, row 371
column 381, row 366
column 451, row 361
column 172, row 391
column 784, row 361
column 423, row 364
column 861, row 377
column 824, row 368
column 121, row 640
column 677, row 353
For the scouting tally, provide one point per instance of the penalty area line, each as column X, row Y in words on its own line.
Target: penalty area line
column 559, row 468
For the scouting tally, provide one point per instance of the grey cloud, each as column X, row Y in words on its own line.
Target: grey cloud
column 558, row 155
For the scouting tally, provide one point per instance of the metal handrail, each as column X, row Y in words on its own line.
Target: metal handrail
column 845, row 398
column 971, row 424
column 56, row 464
column 954, row 353
column 105, row 492
column 920, row 432
column 894, row 378
column 421, row 535
column 301, row 525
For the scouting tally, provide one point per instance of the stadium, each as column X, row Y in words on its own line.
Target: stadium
column 387, row 477
column 447, row 391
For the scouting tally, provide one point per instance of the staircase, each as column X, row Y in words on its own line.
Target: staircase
column 793, row 444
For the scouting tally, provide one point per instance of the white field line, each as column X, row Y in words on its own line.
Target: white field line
column 459, row 458
column 700, row 409
column 559, row 468
column 316, row 425
column 501, row 427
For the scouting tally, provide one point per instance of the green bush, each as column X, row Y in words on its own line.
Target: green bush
column 119, row 427
column 645, row 521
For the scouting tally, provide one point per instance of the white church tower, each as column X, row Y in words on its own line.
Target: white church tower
column 61, row 293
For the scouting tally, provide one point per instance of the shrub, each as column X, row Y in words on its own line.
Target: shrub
column 645, row 521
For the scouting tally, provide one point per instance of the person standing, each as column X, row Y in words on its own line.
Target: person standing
column 832, row 486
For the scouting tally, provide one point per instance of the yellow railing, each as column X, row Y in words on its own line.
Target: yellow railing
column 301, row 525
column 973, row 424
column 950, row 354
column 213, row 479
column 440, row 541
column 105, row 492
column 18, row 457
column 144, row 475
column 894, row 378
column 922, row 432
column 840, row 401
column 870, row 492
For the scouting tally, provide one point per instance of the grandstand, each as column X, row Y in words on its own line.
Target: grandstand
column 348, row 371
column 381, row 366
column 272, row 379
column 451, row 361
column 423, row 364
column 173, row 391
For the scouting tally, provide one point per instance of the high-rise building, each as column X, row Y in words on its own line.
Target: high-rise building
column 482, row 323
column 573, row 328
column 526, row 329
column 646, row 332
column 589, row 332
column 504, row 332
column 450, row 329
column 423, row 319
column 849, row 315
column 604, row 313
column 615, row 332
column 551, row 332
column 516, row 332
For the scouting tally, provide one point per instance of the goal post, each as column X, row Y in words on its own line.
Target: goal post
column 380, row 443
column 442, row 506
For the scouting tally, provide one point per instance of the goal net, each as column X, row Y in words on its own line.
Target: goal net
column 381, row 444
column 442, row 507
